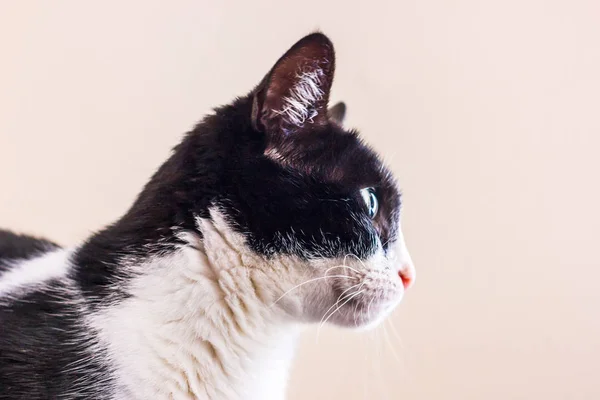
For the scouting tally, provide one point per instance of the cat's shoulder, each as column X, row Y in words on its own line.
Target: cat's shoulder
column 15, row 246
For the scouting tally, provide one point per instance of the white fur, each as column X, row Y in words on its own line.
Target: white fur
column 196, row 326
column 299, row 106
column 24, row 276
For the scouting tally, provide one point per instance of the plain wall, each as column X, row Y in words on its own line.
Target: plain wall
column 488, row 111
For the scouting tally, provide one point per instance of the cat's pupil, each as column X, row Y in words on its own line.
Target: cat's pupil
column 368, row 195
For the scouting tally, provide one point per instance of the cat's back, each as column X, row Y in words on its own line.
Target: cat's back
column 15, row 248
column 46, row 350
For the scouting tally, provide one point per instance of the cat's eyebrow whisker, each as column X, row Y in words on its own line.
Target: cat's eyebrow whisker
column 308, row 281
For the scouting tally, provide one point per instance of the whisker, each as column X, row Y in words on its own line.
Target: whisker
column 386, row 242
column 357, row 259
column 353, row 295
column 338, row 300
column 343, row 266
column 355, row 315
column 369, row 308
column 395, row 333
column 352, row 255
column 380, row 351
column 391, row 345
column 376, row 364
column 367, row 374
column 309, row 281
column 402, row 363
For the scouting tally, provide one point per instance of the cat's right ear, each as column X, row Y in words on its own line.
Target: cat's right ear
column 292, row 98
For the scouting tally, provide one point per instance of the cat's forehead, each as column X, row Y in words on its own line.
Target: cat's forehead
column 334, row 155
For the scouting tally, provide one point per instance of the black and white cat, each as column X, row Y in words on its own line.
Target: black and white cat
column 268, row 216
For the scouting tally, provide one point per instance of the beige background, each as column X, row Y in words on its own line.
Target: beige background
column 487, row 110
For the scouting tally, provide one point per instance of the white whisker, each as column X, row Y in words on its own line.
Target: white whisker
column 380, row 374
column 355, row 315
column 353, row 295
column 335, row 304
column 395, row 333
column 357, row 259
column 389, row 342
column 309, row 281
column 343, row 266
column 369, row 308
column 367, row 353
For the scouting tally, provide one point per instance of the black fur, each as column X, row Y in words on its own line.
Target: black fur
column 46, row 351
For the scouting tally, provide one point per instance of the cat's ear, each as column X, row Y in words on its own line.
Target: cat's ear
column 293, row 97
column 337, row 113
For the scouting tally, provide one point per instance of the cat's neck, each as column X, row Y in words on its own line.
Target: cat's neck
column 200, row 323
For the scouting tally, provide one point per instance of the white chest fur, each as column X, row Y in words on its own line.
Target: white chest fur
column 198, row 326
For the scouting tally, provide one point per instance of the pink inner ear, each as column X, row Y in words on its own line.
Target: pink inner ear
column 303, row 101
column 298, row 86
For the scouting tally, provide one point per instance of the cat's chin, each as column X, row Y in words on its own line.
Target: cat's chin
column 364, row 315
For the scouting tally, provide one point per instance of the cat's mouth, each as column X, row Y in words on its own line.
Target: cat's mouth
column 363, row 305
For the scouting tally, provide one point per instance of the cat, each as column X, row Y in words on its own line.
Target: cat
column 267, row 217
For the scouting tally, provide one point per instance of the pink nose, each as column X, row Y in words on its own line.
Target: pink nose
column 406, row 276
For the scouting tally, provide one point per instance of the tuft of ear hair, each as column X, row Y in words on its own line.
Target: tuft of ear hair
column 337, row 113
column 293, row 96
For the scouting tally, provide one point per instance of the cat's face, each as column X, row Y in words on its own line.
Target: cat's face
column 315, row 202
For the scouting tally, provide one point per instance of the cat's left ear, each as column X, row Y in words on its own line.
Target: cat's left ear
column 293, row 97
column 337, row 113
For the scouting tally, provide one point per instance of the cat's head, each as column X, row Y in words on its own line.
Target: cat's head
column 306, row 202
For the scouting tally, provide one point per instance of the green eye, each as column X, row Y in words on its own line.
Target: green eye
column 370, row 199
